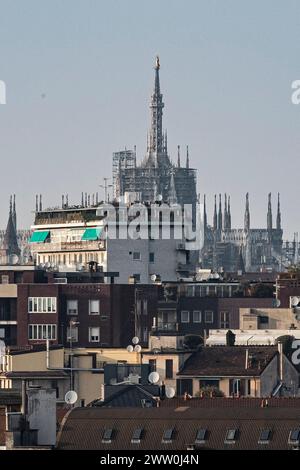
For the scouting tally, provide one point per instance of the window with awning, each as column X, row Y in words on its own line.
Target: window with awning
column 92, row 234
column 39, row 236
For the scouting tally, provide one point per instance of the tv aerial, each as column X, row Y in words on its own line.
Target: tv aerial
column 71, row 397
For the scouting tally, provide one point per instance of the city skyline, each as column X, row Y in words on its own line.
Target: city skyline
column 240, row 125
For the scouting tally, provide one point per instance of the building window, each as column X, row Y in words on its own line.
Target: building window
column 72, row 334
column 265, row 436
column 42, row 305
column 185, row 316
column 152, row 365
column 201, row 436
column 41, row 332
column 107, row 436
column 294, row 437
column 136, row 256
column 168, row 436
column 209, row 316
column 231, row 436
column 137, row 277
column 151, row 257
column 224, row 319
column 190, row 291
column 94, row 334
column 169, row 368
column 137, row 436
column 196, row 316
column 4, row 279
column 72, row 307
column 94, row 307
column 145, row 334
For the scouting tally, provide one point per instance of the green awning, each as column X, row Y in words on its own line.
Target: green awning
column 92, row 234
column 39, row 236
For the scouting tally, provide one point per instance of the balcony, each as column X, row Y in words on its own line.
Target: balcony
column 97, row 245
column 162, row 326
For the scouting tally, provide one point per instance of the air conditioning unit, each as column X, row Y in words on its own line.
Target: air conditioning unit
column 60, row 280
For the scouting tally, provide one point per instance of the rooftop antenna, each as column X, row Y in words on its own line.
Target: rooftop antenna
column 41, row 205
column 36, row 203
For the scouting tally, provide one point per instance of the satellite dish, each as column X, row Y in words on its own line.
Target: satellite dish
column 153, row 377
column 138, row 348
column 170, row 392
column 129, row 348
column 71, row 397
column 47, row 265
column 135, row 340
column 277, row 302
column 159, row 198
column 153, row 277
column 294, row 301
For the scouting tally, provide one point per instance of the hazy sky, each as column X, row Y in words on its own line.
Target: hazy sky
column 79, row 75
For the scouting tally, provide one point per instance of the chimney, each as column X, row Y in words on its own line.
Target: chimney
column 247, row 359
column 204, row 338
column 280, row 350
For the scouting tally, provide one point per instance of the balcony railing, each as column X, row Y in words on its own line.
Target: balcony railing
column 97, row 245
column 162, row 326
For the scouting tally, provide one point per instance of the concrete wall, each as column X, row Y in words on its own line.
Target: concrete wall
column 42, row 414
column 178, row 360
column 269, row 378
column 34, row 361
column 166, row 258
column 8, row 290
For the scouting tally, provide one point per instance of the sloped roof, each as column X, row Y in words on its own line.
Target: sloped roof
column 84, row 427
column 129, row 396
column 228, row 361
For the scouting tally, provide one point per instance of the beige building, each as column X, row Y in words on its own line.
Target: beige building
column 166, row 356
column 254, row 371
column 53, row 370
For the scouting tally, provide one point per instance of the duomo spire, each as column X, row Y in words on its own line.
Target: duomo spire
column 247, row 214
column 156, row 138
column 278, row 219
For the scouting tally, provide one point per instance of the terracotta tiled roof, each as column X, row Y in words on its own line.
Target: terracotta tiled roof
column 84, row 427
column 228, row 361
